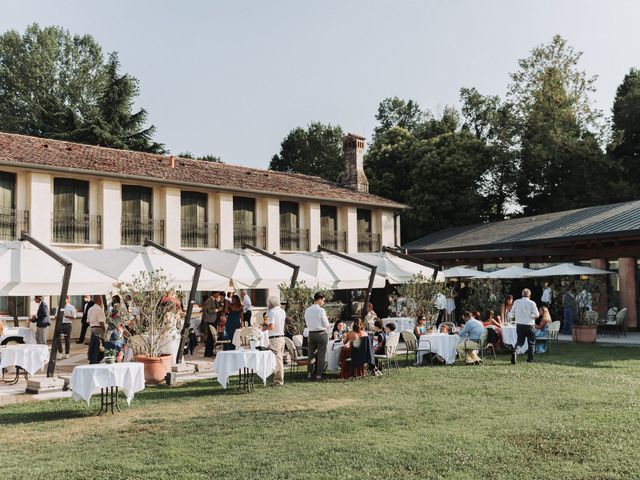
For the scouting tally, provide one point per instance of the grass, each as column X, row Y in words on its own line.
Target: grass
column 575, row 414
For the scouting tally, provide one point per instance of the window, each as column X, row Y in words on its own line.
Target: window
column 70, row 197
column 137, row 202
column 328, row 218
column 195, row 229
column 289, row 215
column 244, row 211
column 7, row 215
column 364, row 221
column 71, row 220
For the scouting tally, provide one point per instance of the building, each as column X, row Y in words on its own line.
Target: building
column 605, row 237
column 71, row 195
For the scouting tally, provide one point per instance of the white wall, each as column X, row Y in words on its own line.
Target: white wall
column 172, row 205
column 387, row 233
column 40, row 205
column 111, row 210
column 224, row 216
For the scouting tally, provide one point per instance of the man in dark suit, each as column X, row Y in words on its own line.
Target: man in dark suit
column 86, row 305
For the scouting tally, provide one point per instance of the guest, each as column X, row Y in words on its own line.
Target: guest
column 87, row 303
column 233, row 321
column 338, row 330
column 362, row 332
column 356, row 343
column 470, row 341
column 505, row 308
column 210, row 319
column 440, row 302
column 379, row 338
column 542, row 329
column 494, row 332
column 569, row 311
column 69, row 315
column 476, row 314
column 115, row 310
column 42, row 321
column 370, row 316
column 490, row 320
column 390, row 329
column 246, row 308
column 525, row 311
column 96, row 317
column 421, row 327
column 315, row 318
column 547, row 295
column 116, row 341
column 276, row 318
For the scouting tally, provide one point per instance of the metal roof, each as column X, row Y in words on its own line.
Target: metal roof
column 599, row 221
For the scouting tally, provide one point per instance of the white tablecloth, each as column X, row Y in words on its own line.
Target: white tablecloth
column 85, row 379
column 23, row 332
column 401, row 323
column 263, row 342
column 263, row 362
column 510, row 337
column 442, row 344
column 333, row 355
column 29, row 357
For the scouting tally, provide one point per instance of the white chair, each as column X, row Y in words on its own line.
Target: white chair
column 389, row 357
column 412, row 345
column 296, row 359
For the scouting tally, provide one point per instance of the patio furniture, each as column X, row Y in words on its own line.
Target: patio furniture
column 245, row 362
column 483, row 346
column 29, row 358
column 449, row 325
column 554, row 329
column 217, row 342
column 411, row 344
column 389, row 358
column 442, row 345
column 621, row 322
column 296, row 359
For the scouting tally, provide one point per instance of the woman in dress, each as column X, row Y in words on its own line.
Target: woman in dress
column 542, row 329
column 505, row 309
column 421, row 327
column 233, row 320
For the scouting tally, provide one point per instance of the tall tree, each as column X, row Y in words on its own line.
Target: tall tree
column 315, row 150
column 207, row 158
column 397, row 112
column 57, row 85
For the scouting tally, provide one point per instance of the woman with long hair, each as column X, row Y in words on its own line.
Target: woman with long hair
column 233, row 320
column 542, row 329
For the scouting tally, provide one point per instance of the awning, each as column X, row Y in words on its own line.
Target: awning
column 463, row 272
column 510, row 272
column 568, row 269
column 394, row 269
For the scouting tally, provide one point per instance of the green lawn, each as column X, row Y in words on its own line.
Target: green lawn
column 573, row 414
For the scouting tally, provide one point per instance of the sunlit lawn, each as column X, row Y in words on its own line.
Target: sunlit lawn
column 573, row 414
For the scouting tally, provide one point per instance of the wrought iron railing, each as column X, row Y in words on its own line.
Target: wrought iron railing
column 249, row 234
column 294, row 239
column 134, row 231
column 334, row 240
column 199, row 234
column 368, row 242
column 12, row 223
column 76, row 228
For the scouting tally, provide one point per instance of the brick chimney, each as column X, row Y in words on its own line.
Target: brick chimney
column 354, row 176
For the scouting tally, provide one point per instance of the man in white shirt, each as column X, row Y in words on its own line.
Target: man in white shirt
column 246, row 308
column 547, row 295
column 96, row 318
column 525, row 311
column 275, row 325
column 315, row 318
column 69, row 316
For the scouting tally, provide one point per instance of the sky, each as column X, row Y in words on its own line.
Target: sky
column 233, row 77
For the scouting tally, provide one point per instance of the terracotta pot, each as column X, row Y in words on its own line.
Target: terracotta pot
column 155, row 368
column 585, row 333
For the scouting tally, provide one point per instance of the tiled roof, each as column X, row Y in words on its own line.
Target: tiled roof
column 55, row 154
column 599, row 221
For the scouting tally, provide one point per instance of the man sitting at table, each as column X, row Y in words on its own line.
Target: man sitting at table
column 470, row 340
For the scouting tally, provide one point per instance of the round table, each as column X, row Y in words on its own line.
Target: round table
column 402, row 323
column 263, row 362
column 30, row 358
column 86, row 379
column 263, row 339
column 510, row 337
column 441, row 344
column 22, row 332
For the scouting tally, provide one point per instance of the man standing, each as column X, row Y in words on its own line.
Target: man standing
column 96, row 317
column 42, row 321
column 315, row 318
column 70, row 313
column 246, row 308
column 86, row 305
column 525, row 311
column 275, row 325
column 210, row 319
column 547, row 295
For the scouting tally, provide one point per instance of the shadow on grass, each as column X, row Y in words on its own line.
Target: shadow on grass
column 48, row 416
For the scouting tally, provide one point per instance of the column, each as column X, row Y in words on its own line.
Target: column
column 224, row 217
column 171, row 202
column 310, row 219
column 271, row 219
column 351, row 227
column 387, row 229
column 110, row 200
column 602, row 305
column 627, row 272
column 40, row 205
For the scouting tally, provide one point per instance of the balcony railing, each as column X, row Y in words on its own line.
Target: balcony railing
column 134, row 231
column 199, row 235
column 249, row 234
column 294, row 239
column 334, row 240
column 368, row 242
column 12, row 223
column 76, row 228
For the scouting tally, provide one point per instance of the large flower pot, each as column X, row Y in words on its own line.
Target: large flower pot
column 585, row 333
column 155, row 368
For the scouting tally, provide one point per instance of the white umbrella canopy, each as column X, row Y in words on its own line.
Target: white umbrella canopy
column 25, row 271
column 510, row 272
column 125, row 263
column 463, row 272
column 568, row 269
column 332, row 271
column 248, row 269
column 395, row 269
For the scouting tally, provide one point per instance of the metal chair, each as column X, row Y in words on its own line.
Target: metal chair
column 621, row 322
column 389, row 357
column 412, row 345
column 296, row 359
column 449, row 325
column 217, row 342
column 554, row 329
column 483, row 346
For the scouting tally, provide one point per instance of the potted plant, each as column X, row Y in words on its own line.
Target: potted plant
column 299, row 298
column 154, row 327
column 581, row 298
column 420, row 294
column 110, row 355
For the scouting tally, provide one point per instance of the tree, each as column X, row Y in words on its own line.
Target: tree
column 316, row 150
column 56, row 85
column 207, row 158
column 396, row 112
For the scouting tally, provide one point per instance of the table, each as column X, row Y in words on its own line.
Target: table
column 401, row 323
column 23, row 332
column 442, row 344
column 510, row 337
column 263, row 362
column 86, row 379
column 334, row 347
column 29, row 358
column 263, row 342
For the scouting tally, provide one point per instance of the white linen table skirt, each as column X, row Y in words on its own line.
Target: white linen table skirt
column 510, row 337
column 442, row 344
column 402, row 323
column 263, row 362
column 264, row 340
column 86, row 379
column 333, row 355
column 23, row 332
column 29, row 357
